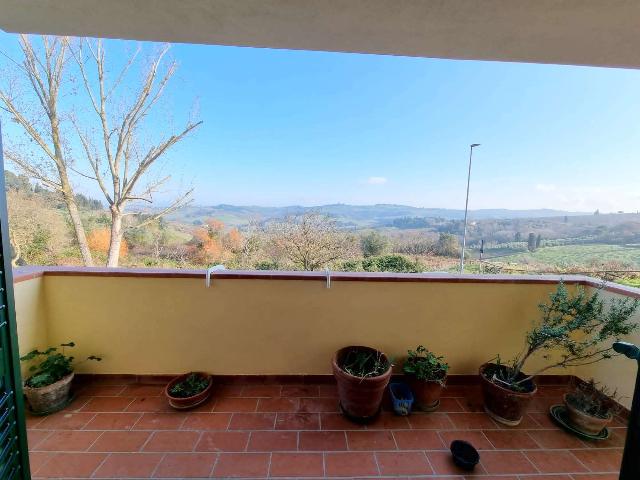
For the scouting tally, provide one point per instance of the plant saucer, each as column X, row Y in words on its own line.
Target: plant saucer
column 559, row 415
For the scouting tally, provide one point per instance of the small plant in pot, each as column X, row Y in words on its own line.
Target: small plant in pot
column 426, row 374
column 362, row 374
column 590, row 408
column 48, row 388
column 574, row 329
column 189, row 390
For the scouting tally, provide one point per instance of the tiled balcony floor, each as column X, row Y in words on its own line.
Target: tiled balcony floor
column 257, row 431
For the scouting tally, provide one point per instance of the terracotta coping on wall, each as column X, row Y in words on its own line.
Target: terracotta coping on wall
column 21, row 274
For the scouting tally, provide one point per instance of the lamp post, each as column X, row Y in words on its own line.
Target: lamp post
column 630, row 468
column 466, row 207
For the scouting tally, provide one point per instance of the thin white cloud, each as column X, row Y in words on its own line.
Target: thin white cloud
column 546, row 187
column 376, row 180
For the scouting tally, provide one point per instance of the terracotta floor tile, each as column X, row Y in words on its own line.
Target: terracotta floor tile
column 511, row 439
column 371, row 440
column 172, row 441
column 230, row 465
column 252, row 421
column 403, row 463
column 437, row 421
column 37, row 459
column 350, row 464
column 448, row 405
column 594, row 476
column 186, row 465
column 101, row 390
column 337, row 421
column 298, row 421
column 543, row 477
column 538, row 420
column 141, row 390
column 34, row 437
column 330, row 391
column 160, row 421
column 65, row 421
column 150, row 404
column 318, row 405
column 226, row 391
column 556, row 439
column 129, row 465
column 206, row 421
column 113, row 421
column 273, row 441
column 297, row 465
column 501, row 462
column 418, row 440
column 68, row 441
column 550, row 461
column 278, row 404
column 33, row 421
column 386, row 421
column 322, row 441
column 107, row 404
column 262, row 391
column 300, row 391
column 472, row 421
column 223, row 442
column 442, row 464
column 71, row 465
column 600, row 461
column 236, row 405
column 474, row 437
column 120, row 441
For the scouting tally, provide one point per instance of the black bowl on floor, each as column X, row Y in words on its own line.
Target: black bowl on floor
column 464, row 454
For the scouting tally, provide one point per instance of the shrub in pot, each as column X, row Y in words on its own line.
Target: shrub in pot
column 189, row 390
column 573, row 329
column 426, row 374
column 362, row 374
column 48, row 388
column 590, row 408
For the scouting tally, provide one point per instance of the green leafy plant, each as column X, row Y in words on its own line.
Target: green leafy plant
column 192, row 385
column 425, row 365
column 53, row 367
column 594, row 400
column 365, row 363
column 573, row 330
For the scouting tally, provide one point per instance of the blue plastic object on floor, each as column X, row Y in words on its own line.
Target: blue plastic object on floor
column 402, row 398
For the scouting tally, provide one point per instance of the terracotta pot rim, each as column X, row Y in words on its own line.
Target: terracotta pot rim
column 51, row 386
column 583, row 413
column 334, row 361
column 484, row 379
column 179, row 378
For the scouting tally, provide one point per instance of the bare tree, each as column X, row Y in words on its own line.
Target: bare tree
column 120, row 161
column 311, row 241
column 49, row 162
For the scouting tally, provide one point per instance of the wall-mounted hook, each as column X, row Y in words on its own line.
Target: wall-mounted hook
column 328, row 274
column 210, row 271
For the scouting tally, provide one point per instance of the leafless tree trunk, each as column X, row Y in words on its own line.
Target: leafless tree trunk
column 51, row 167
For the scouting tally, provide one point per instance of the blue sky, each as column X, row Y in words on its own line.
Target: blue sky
column 294, row 127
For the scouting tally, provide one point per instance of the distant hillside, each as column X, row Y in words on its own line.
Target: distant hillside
column 352, row 215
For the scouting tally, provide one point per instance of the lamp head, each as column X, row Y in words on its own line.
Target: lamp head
column 627, row 349
column 475, row 145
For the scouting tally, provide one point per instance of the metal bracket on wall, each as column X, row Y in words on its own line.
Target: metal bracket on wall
column 210, row 271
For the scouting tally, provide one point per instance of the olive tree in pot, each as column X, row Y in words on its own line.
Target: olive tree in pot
column 427, row 374
column 362, row 374
column 48, row 388
column 574, row 329
column 590, row 408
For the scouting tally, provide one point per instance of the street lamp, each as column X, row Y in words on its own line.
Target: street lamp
column 466, row 207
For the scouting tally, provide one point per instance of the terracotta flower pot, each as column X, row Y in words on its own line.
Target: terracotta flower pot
column 584, row 422
column 49, row 399
column 426, row 393
column 360, row 398
column 184, row 403
column 502, row 404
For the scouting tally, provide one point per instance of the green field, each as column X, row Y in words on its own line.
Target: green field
column 572, row 255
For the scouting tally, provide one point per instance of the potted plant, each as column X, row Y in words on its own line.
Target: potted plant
column 189, row 390
column 590, row 408
column 427, row 374
column 48, row 388
column 362, row 374
column 573, row 330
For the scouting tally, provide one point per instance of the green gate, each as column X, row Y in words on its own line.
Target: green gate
column 14, row 456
